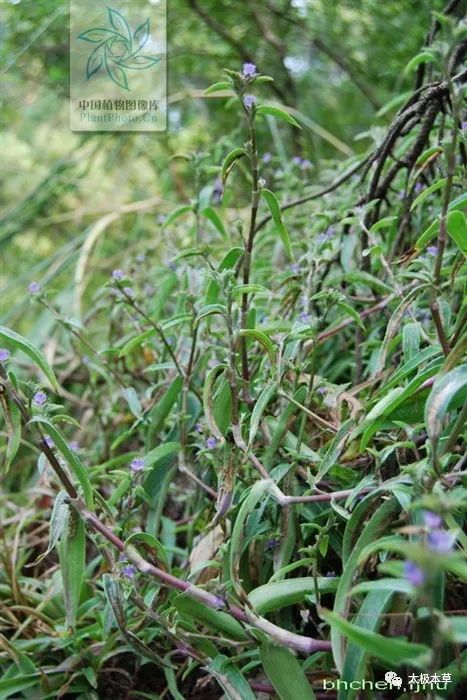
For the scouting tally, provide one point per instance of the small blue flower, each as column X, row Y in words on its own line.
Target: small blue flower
column 464, row 126
column 74, row 446
column 249, row 70
column 34, row 288
column 211, row 443
column 305, row 164
column 295, row 268
column 304, row 317
column 39, row 398
column 431, row 520
column 296, row 160
column 48, row 441
column 414, row 574
column 267, row 157
column 129, row 292
column 441, row 541
column 418, row 188
column 249, row 101
column 4, row 354
column 129, row 571
column 137, row 464
column 401, row 195
column 432, row 250
column 118, row 275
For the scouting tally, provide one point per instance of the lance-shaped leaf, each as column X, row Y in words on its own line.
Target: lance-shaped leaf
column 72, row 551
column 58, row 522
column 208, row 398
column 230, row 160
column 70, row 456
column 230, row 679
column 176, row 214
column 278, row 113
column 262, row 338
column 215, row 219
column 260, row 406
column 457, row 229
column 218, row 87
column 394, row 651
column 17, row 341
column 445, row 390
column 285, row 673
column 274, row 208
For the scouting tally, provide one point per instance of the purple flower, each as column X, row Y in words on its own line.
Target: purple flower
column 321, row 390
column 249, row 101
column 414, row 574
column 305, row 164
column 418, row 188
column 4, row 354
column 34, row 288
column 74, row 446
column 432, row 250
column 296, row 160
column 304, row 317
column 401, row 195
column 137, row 464
column 211, row 443
column 327, row 235
column 464, row 126
column 140, row 258
column 267, row 157
column 48, row 441
column 441, row 541
column 295, row 268
column 129, row 571
column 431, row 520
column 39, row 398
column 198, row 427
column 118, row 275
column 249, row 70
column 272, row 543
column 129, row 292
column 161, row 218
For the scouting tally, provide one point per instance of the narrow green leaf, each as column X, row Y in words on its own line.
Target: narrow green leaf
column 176, row 214
column 457, row 229
column 20, row 343
column 392, row 650
column 278, row 113
column 281, row 594
column 72, row 555
column 422, row 57
column 230, row 160
column 215, row 219
column 262, row 338
column 274, row 208
column 444, row 390
column 285, row 673
column 218, row 87
column 71, row 457
column 208, row 397
column 230, row 679
column 260, row 406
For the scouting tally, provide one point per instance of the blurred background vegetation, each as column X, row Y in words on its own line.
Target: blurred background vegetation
column 337, row 64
